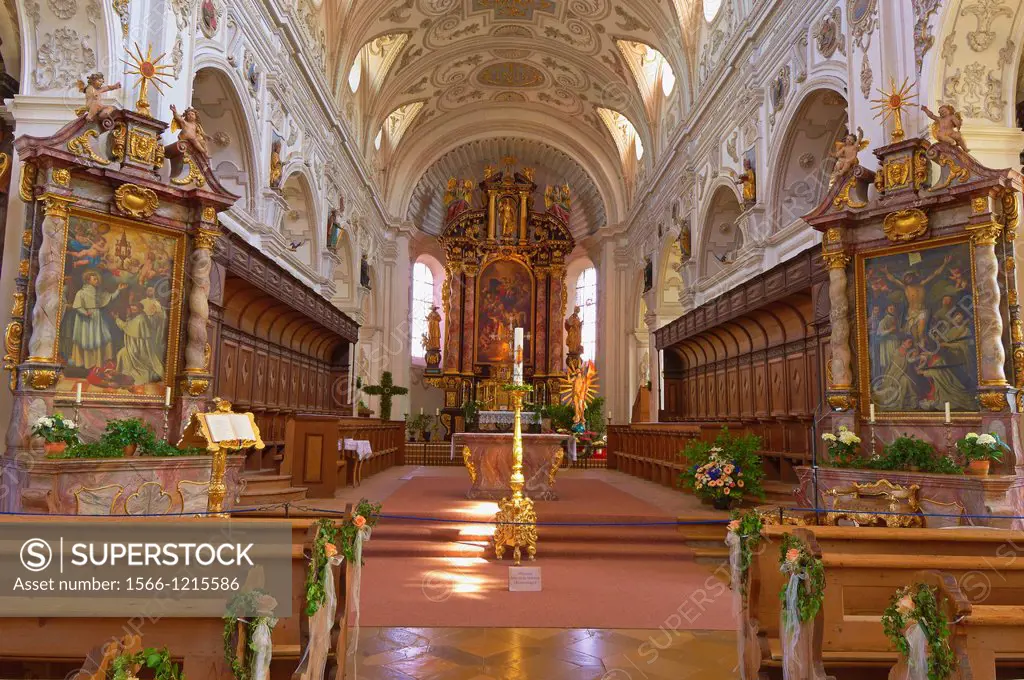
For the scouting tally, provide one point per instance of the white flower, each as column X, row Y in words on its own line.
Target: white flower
column 829, row 437
column 986, row 439
column 848, row 437
column 971, row 435
column 46, row 421
column 70, row 424
column 843, row 428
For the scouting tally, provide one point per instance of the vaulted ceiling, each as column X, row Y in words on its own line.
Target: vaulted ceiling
column 501, row 74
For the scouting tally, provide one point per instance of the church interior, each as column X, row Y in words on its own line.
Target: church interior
column 518, row 339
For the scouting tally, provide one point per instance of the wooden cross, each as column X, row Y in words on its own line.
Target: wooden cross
column 385, row 390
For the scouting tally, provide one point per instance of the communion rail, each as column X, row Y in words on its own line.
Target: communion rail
column 439, row 454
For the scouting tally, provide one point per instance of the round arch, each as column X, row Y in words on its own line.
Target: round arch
column 720, row 236
column 301, row 221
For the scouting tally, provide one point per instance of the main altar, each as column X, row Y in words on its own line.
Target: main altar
column 486, row 457
column 505, row 264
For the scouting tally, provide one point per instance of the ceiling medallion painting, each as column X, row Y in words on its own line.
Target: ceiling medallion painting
column 515, row 10
column 510, row 74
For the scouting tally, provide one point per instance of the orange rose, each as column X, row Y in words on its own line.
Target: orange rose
column 727, row 491
column 792, row 555
column 359, row 521
column 734, row 525
column 330, row 549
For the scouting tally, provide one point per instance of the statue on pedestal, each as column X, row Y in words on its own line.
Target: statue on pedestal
column 946, row 128
column 93, row 90
column 845, row 153
column 191, row 130
column 749, row 182
column 574, row 340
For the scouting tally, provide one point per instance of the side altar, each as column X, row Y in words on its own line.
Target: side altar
column 505, row 264
column 486, row 457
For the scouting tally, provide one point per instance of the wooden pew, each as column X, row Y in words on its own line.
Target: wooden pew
column 387, row 441
column 863, row 567
column 311, row 454
column 60, row 645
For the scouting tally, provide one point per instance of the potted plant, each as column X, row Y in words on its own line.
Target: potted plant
column 418, row 428
column 979, row 450
column 842, row 447
column 471, row 414
column 363, row 410
column 56, row 431
column 129, row 434
column 914, row 455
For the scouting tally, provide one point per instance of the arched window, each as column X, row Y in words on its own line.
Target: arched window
column 711, row 8
column 586, row 300
column 355, row 74
column 422, row 301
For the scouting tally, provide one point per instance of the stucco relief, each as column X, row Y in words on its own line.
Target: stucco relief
column 63, row 56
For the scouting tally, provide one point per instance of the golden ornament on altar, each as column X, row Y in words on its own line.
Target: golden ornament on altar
column 891, row 105
column 579, row 389
column 148, row 69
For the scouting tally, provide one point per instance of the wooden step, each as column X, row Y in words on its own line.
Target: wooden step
column 287, row 494
column 263, row 481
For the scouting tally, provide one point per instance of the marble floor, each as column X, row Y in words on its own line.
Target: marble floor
column 544, row 654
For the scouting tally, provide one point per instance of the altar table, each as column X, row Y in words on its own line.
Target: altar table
column 489, row 463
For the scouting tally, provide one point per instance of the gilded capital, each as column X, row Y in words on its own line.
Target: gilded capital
column 986, row 234
column 56, row 206
column 836, row 259
column 205, row 239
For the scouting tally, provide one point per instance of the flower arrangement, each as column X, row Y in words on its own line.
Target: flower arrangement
column 794, row 558
column 238, row 609
column 843, row 447
column 918, row 603
column 56, row 429
column 978, row 450
column 726, row 470
column 331, row 539
column 746, row 527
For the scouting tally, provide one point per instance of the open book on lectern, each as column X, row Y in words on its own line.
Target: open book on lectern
column 230, row 427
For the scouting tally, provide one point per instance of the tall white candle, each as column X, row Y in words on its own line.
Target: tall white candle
column 421, row 410
column 167, row 397
column 78, row 393
column 437, row 412
column 949, row 419
column 871, row 413
column 517, row 357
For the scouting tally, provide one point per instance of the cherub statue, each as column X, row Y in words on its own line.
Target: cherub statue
column 93, row 90
column 946, row 128
column 845, row 153
column 191, row 130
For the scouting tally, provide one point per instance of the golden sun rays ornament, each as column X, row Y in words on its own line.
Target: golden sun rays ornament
column 891, row 105
column 148, row 69
column 579, row 389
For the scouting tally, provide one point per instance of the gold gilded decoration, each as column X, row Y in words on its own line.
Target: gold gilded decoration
column 511, row 74
column 23, row 267
column 836, row 259
column 979, row 205
column 194, row 386
column 880, row 503
column 891, row 105
column 18, row 308
column 842, row 402
column 193, row 176
column 62, row 176
column 956, row 172
column 844, row 198
column 28, row 181
column 514, row 9
column 516, row 519
column 905, row 225
column 209, row 214
column 897, row 174
column 149, row 70
column 135, row 200
column 118, row 136
column 123, row 13
column 467, row 460
column 5, row 165
column 56, row 206
column 833, row 235
column 922, row 169
column 205, row 239
column 555, row 465
column 41, row 378
column 142, row 147
column 993, row 401
column 986, row 234
column 80, row 146
column 276, row 164
column 1010, row 212
column 12, row 348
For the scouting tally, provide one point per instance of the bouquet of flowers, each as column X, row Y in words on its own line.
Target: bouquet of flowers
column 590, row 442
column 842, row 447
column 719, row 478
column 976, row 446
column 56, row 428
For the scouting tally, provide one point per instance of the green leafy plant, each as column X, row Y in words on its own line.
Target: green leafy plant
column 747, row 527
column 332, row 538
column 918, row 602
column 981, row 447
column 418, row 425
column 710, row 462
column 910, row 453
column 794, row 558
column 471, row 411
column 560, row 415
column 239, row 608
column 843, row 447
column 127, row 432
column 156, row 660
column 56, row 428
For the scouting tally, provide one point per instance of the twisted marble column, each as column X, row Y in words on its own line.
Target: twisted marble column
column 986, row 306
column 842, row 356
column 42, row 345
column 200, row 265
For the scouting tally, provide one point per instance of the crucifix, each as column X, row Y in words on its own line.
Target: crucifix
column 385, row 390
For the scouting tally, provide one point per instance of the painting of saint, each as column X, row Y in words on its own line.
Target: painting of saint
column 120, row 304
column 919, row 338
column 504, row 303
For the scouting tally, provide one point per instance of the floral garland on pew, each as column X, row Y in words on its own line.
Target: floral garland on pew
column 331, row 539
column 745, row 534
column 917, row 604
column 796, row 560
column 159, row 661
column 255, row 661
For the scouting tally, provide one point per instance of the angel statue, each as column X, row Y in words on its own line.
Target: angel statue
column 93, row 91
column 579, row 390
column 946, row 128
column 191, row 130
column 558, row 201
column 845, row 153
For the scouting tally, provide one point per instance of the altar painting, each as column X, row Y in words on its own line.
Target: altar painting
column 918, row 342
column 504, row 302
column 121, row 302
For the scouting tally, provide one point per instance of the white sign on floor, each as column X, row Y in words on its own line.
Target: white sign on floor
column 524, row 579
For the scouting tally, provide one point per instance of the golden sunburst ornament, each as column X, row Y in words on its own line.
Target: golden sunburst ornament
column 578, row 390
column 891, row 105
column 148, row 69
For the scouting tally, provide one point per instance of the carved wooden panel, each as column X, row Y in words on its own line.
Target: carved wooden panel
column 226, row 370
column 259, row 382
column 778, row 390
column 243, row 383
column 796, row 369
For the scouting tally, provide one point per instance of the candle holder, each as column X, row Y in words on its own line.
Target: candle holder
column 167, row 422
column 871, row 425
column 516, row 520
column 949, row 439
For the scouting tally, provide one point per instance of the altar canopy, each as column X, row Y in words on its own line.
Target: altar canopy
column 488, row 460
column 506, row 270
